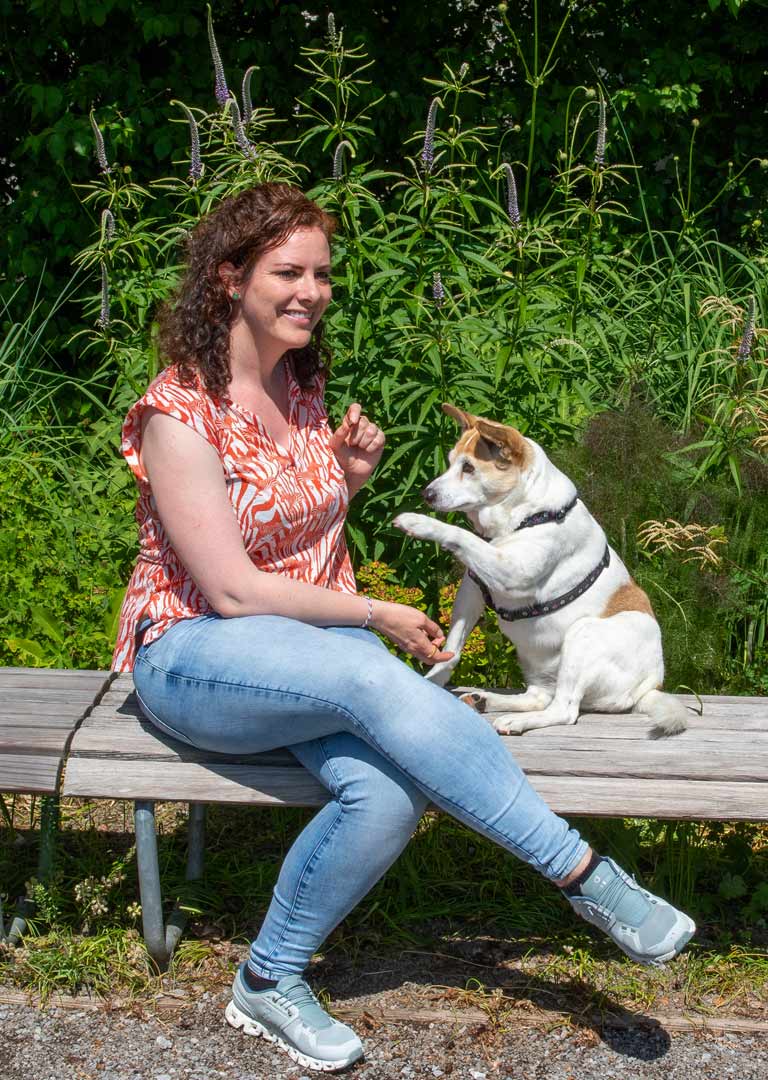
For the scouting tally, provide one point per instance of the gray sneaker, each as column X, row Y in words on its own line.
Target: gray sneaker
column 290, row 1015
column 647, row 928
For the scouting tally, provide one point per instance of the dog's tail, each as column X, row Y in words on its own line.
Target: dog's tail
column 671, row 715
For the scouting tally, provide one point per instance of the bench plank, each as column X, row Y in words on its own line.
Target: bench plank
column 191, row 781
column 44, row 708
column 720, row 714
column 280, row 786
column 33, row 774
column 23, row 739
column 619, row 730
column 39, row 710
column 62, row 695
column 136, row 739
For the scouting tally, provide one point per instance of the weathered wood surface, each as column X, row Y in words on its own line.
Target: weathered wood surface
column 602, row 766
column 39, row 710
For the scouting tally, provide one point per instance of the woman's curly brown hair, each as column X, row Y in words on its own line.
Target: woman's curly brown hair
column 194, row 324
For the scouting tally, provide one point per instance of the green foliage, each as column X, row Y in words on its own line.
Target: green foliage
column 449, row 883
column 629, row 469
column 444, row 290
column 66, row 546
column 660, row 67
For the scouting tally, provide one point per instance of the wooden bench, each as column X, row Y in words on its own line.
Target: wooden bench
column 603, row 766
column 39, row 711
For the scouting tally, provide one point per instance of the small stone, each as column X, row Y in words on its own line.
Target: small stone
column 706, row 1057
column 477, row 1075
column 437, row 1071
column 162, row 1043
column 163, row 1076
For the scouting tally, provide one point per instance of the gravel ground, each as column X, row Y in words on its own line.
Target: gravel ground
column 194, row 1042
column 198, row 1045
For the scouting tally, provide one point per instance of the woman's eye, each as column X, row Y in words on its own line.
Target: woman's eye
column 466, row 467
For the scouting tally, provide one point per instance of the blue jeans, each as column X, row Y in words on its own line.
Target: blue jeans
column 383, row 740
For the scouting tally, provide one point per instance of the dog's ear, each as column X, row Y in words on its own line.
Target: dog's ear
column 465, row 419
column 506, row 444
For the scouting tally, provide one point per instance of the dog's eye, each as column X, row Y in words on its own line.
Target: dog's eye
column 466, row 467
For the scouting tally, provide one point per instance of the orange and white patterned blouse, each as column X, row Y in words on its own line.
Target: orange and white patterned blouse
column 290, row 502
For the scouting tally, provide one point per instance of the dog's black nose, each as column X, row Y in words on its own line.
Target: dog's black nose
column 427, row 495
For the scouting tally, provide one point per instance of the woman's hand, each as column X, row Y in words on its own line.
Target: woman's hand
column 411, row 630
column 358, row 445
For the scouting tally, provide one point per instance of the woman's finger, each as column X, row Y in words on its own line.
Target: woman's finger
column 438, row 657
column 340, row 435
column 434, row 631
column 372, row 438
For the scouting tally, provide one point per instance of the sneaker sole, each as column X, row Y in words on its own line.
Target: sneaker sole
column 249, row 1026
column 660, row 961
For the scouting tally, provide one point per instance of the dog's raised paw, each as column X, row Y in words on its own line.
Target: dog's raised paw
column 414, row 524
column 475, row 701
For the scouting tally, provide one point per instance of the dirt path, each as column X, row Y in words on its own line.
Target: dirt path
column 520, row 1036
column 198, row 1045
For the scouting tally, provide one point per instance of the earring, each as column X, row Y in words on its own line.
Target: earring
column 235, row 295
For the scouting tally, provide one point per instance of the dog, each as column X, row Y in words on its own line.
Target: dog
column 586, row 635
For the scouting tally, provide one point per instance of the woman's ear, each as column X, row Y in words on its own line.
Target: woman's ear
column 229, row 276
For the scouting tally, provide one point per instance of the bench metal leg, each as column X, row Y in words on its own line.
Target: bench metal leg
column 49, row 824
column 162, row 940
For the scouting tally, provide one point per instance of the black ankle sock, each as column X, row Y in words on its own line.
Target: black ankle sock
column 574, row 888
column 255, row 982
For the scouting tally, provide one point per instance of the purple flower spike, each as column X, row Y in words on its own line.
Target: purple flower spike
column 748, row 337
column 247, row 103
column 601, row 133
column 333, row 37
column 220, row 86
column 338, row 158
column 241, row 138
column 438, row 291
column 103, row 320
column 101, row 154
column 107, row 225
column 463, row 71
column 428, row 153
column 195, row 161
column 513, row 208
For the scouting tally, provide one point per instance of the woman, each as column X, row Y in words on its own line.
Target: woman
column 245, row 632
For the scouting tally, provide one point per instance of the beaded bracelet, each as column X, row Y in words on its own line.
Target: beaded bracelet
column 364, row 625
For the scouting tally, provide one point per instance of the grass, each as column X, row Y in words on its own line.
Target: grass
column 482, row 920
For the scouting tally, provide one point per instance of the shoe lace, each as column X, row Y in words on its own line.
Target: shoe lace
column 301, row 995
column 614, row 896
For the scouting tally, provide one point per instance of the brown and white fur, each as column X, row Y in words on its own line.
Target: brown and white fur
column 602, row 652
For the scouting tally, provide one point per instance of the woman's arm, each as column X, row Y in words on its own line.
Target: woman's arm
column 189, row 490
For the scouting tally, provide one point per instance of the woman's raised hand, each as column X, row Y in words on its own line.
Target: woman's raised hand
column 358, row 444
column 411, row 630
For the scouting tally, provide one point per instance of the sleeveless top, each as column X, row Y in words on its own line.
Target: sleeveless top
column 290, row 502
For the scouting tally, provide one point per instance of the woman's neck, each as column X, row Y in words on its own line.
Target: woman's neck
column 262, row 374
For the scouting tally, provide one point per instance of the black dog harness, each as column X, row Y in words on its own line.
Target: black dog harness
column 534, row 611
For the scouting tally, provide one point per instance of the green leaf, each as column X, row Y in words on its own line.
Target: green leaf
column 48, row 624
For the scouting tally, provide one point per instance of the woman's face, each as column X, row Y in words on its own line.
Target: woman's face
column 287, row 292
